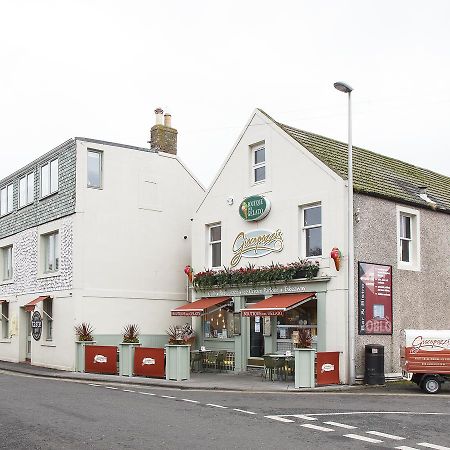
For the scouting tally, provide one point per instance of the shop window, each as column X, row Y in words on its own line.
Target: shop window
column 219, row 323
column 51, row 252
column 5, row 320
column 259, row 164
column 26, row 190
column 49, row 178
column 7, row 263
column 94, row 169
column 215, row 245
column 302, row 317
column 6, row 199
column 48, row 318
column 408, row 238
column 312, row 230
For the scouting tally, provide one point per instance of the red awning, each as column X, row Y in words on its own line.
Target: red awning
column 277, row 305
column 198, row 307
column 3, row 301
column 30, row 305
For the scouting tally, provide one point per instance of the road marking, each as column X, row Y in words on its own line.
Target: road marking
column 146, row 393
column 280, row 419
column 437, row 447
column 167, row 396
column 216, row 406
column 315, row 427
column 127, row 390
column 362, row 438
column 188, row 400
column 341, row 425
column 243, row 411
column 96, row 385
column 413, row 413
column 389, row 436
column 405, row 447
column 110, row 387
column 302, row 416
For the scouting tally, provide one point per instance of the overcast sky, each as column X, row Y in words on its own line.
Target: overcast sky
column 98, row 69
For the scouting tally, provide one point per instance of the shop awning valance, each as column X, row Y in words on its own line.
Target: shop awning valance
column 277, row 305
column 3, row 301
column 199, row 307
column 30, row 305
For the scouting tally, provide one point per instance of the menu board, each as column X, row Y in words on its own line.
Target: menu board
column 374, row 298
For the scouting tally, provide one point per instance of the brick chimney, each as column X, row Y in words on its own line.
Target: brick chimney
column 163, row 138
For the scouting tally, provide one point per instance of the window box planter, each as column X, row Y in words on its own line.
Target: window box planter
column 304, row 367
column 79, row 356
column 178, row 362
column 126, row 358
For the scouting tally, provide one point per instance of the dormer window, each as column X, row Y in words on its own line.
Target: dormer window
column 259, row 164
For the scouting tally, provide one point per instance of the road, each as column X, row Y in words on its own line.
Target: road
column 39, row 413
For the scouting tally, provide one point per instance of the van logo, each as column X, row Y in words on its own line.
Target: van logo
column 254, row 208
column 148, row 362
column 100, row 359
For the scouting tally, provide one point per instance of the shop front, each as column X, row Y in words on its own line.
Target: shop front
column 248, row 322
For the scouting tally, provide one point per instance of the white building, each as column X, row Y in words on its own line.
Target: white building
column 94, row 232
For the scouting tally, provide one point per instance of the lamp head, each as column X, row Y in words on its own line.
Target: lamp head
column 343, row 87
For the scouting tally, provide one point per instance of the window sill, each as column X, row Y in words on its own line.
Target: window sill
column 48, row 344
column 49, row 275
column 49, row 195
column 411, row 267
column 257, row 183
column 6, row 282
column 5, row 341
column 7, row 214
column 228, row 339
column 25, row 206
column 98, row 188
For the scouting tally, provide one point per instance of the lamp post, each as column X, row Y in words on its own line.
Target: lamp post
column 343, row 87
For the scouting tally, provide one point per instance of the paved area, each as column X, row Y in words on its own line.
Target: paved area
column 53, row 413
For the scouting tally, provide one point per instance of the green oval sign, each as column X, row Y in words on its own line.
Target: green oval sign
column 254, row 208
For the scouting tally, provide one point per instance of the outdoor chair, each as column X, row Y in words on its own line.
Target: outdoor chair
column 280, row 368
column 269, row 367
column 197, row 360
column 211, row 360
column 220, row 361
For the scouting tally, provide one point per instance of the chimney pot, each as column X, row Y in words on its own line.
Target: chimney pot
column 167, row 120
column 159, row 116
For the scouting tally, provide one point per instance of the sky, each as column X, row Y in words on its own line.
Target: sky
column 99, row 68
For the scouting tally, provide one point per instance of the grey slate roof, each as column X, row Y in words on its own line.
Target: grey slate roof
column 375, row 174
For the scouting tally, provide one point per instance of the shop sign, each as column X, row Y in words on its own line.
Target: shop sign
column 264, row 290
column 36, row 325
column 254, row 208
column 255, row 244
column 374, row 298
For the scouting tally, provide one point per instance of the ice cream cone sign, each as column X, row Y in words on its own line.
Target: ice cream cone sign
column 336, row 255
column 189, row 272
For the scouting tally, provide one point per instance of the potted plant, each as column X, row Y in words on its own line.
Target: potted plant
column 304, row 359
column 178, row 352
column 84, row 333
column 130, row 339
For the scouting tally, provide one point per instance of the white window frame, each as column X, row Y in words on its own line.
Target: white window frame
column 5, row 320
column 210, row 245
column 255, row 165
column 29, row 190
column 7, row 199
column 46, row 247
column 53, row 178
column 48, row 318
column 414, row 246
column 5, row 261
column 308, row 227
column 100, row 153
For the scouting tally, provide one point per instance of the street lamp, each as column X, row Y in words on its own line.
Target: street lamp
column 344, row 87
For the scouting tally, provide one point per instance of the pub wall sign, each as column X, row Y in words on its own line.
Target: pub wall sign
column 36, row 325
column 254, row 208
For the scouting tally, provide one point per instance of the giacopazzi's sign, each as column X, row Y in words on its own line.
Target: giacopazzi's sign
column 255, row 244
column 254, row 208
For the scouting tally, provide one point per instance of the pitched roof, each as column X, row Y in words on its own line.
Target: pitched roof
column 375, row 174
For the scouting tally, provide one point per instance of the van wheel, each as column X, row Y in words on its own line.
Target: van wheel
column 431, row 384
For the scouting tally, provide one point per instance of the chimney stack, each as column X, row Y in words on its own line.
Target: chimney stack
column 163, row 138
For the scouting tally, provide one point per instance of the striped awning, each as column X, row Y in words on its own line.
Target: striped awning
column 277, row 305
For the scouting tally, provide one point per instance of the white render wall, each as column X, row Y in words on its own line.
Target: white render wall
column 294, row 178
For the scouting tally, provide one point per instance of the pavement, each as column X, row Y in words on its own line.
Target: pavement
column 246, row 381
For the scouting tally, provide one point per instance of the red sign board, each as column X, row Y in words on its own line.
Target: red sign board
column 374, row 298
column 149, row 362
column 327, row 367
column 262, row 313
column 100, row 359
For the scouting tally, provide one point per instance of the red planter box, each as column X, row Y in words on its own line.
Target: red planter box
column 327, row 367
column 100, row 359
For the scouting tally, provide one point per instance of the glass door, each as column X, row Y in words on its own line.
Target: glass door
column 28, row 343
column 256, row 337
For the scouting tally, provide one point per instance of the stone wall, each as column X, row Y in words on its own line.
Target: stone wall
column 421, row 299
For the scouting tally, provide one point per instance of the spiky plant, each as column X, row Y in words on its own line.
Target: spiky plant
column 131, row 333
column 84, row 331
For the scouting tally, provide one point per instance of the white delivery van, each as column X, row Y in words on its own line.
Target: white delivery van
column 425, row 358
